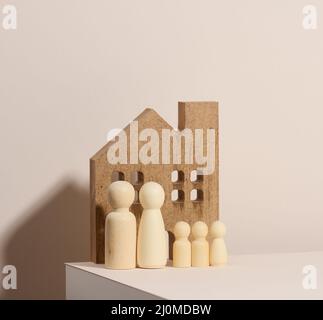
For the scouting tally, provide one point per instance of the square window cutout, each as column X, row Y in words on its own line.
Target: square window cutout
column 177, row 195
column 117, row 176
column 196, row 176
column 177, row 176
column 196, row 195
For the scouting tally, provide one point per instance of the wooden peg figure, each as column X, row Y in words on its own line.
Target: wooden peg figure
column 200, row 246
column 120, row 228
column 182, row 246
column 152, row 246
column 218, row 250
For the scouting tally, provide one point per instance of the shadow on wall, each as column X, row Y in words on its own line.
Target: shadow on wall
column 53, row 233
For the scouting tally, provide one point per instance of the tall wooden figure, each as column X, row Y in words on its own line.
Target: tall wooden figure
column 151, row 249
column 120, row 228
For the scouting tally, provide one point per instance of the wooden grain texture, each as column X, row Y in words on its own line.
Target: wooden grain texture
column 193, row 115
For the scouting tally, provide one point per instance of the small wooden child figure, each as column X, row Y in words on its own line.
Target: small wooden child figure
column 182, row 246
column 200, row 246
column 218, row 250
column 120, row 228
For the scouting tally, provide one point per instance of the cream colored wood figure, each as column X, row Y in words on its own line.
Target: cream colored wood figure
column 182, row 246
column 218, row 250
column 200, row 246
column 151, row 249
column 120, row 228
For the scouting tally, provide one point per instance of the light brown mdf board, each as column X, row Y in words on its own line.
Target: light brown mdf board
column 192, row 115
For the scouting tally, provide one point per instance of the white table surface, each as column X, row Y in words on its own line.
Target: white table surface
column 266, row 276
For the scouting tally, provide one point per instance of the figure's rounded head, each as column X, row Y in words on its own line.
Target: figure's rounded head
column 182, row 229
column 199, row 229
column 121, row 194
column 217, row 229
column 151, row 195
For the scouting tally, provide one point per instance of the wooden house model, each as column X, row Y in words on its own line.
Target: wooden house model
column 189, row 196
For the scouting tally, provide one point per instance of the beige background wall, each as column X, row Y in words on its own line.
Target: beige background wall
column 75, row 69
